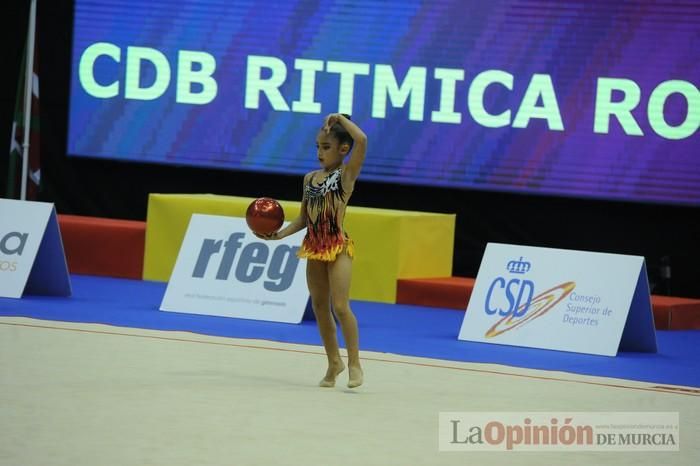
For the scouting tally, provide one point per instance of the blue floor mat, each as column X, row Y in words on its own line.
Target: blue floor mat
column 391, row 328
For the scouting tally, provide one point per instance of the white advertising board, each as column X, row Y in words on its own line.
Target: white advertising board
column 222, row 269
column 32, row 260
column 558, row 299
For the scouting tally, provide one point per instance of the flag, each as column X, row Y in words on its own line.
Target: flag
column 14, row 181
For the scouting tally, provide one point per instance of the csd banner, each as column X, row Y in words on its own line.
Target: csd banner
column 32, row 260
column 584, row 302
column 222, row 269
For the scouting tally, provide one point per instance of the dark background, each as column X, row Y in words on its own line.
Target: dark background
column 663, row 234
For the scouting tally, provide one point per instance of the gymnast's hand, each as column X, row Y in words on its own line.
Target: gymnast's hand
column 331, row 119
column 270, row 236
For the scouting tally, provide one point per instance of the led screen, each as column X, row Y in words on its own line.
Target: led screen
column 575, row 98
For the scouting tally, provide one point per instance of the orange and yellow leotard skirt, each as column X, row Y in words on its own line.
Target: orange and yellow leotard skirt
column 326, row 249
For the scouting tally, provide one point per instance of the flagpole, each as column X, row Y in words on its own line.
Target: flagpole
column 29, row 78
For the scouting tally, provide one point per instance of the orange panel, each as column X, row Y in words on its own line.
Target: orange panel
column 448, row 292
column 102, row 246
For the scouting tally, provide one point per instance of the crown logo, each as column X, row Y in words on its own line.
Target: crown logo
column 519, row 266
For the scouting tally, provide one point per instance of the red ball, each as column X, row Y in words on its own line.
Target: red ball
column 264, row 216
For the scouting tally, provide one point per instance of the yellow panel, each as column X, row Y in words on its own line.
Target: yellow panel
column 375, row 265
column 427, row 243
column 389, row 244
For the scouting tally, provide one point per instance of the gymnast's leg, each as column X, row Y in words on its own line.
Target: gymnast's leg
column 339, row 275
column 317, row 280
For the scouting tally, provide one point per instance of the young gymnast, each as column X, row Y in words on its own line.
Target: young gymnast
column 327, row 247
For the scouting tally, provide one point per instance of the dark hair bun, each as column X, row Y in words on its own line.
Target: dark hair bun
column 340, row 133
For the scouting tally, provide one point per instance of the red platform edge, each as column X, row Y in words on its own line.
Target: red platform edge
column 103, row 246
column 670, row 313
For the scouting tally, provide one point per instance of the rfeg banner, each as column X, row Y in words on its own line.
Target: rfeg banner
column 557, row 299
column 222, row 269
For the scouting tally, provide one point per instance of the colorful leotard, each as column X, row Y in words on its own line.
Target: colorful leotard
column 325, row 210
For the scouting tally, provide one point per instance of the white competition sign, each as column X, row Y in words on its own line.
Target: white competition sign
column 31, row 251
column 222, row 269
column 558, row 299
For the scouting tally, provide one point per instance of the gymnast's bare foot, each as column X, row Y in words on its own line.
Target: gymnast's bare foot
column 356, row 376
column 334, row 368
